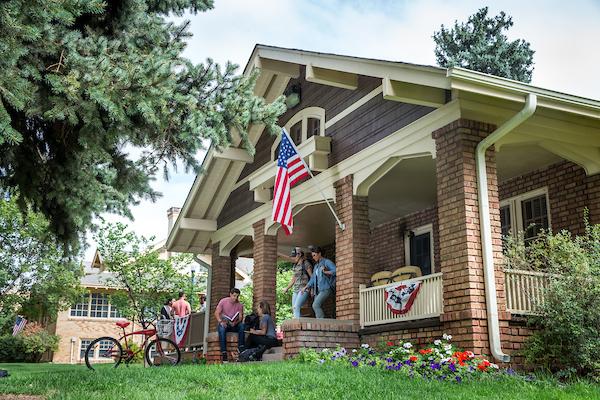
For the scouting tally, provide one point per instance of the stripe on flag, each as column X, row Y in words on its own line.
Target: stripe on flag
column 290, row 169
column 19, row 325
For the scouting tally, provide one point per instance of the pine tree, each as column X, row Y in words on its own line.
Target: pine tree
column 85, row 82
column 480, row 45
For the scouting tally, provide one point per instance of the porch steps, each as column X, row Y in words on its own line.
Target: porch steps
column 273, row 354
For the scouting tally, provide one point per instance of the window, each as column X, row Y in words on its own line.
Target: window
column 95, row 305
column 527, row 213
column 81, row 308
column 303, row 125
column 99, row 306
column 104, row 349
column 83, row 347
column 418, row 248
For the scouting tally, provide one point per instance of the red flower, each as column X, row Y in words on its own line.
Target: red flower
column 482, row 367
column 425, row 351
column 390, row 343
column 413, row 358
column 486, row 363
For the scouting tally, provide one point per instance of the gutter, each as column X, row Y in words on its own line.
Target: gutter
column 207, row 312
column 484, row 220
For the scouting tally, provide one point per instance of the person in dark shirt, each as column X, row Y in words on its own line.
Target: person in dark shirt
column 265, row 337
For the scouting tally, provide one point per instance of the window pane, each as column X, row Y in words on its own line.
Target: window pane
column 296, row 132
column 80, row 309
column 105, row 349
column 420, row 252
column 84, row 344
column 535, row 216
column 505, row 220
column 313, row 127
column 114, row 311
column 99, row 306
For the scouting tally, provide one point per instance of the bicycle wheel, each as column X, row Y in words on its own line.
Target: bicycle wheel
column 162, row 351
column 104, row 352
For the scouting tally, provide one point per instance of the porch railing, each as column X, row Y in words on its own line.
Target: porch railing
column 428, row 303
column 524, row 290
column 195, row 336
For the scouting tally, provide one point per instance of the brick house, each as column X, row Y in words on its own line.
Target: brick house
column 426, row 166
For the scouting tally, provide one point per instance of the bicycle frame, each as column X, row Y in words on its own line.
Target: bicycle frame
column 148, row 334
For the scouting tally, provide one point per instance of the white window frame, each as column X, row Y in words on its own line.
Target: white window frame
column 80, row 349
column 302, row 115
column 516, row 210
column 419, row 231
column 89, row 310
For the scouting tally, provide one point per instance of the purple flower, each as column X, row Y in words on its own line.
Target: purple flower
column 355, row 363
column 511, row 371
column 407, row 362
column 389, row 359
column 372, row 363
column 435, row 366
column 452, row 367
column 458, row 379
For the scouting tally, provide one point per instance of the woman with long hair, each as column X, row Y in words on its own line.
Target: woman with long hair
column 265, row 337
column 302, row 273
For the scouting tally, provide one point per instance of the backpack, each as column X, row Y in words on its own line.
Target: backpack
column 252, row 321
column 4, row 373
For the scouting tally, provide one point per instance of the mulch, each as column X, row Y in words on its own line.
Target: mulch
column 20, row 397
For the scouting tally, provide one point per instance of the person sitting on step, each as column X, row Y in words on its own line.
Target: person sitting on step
column 265, row 337
column 230, row 317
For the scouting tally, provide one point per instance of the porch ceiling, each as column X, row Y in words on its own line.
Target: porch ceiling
column 408, row 187
column 313, row 225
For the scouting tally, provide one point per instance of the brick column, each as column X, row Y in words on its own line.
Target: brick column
column 593, row 191
column 351, row 249
column 460, row 238
column 221, row 277
column 265, row 266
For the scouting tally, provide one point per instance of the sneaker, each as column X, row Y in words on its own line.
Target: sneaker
column 224, row 356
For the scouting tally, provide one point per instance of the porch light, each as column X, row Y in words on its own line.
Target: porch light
column 292, row 96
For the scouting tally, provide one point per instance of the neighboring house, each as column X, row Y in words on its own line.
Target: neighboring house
column 395, row 147
column 94, row 316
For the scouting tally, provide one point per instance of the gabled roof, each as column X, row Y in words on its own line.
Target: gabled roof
column 411, row 83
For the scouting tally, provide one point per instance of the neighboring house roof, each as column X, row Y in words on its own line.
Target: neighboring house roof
column 97, row 280
column 481, row 95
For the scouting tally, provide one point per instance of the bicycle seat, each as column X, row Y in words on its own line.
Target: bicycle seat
column 123, row 324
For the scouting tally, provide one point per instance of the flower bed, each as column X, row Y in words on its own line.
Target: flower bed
column 440, row 361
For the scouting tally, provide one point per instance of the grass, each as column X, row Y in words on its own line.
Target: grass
column 285, row 380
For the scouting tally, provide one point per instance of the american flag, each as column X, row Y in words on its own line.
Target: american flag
column 19, row 325
column 290, row 169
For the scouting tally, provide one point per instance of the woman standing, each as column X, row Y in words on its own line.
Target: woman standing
column 322, row 280
column 302, row 273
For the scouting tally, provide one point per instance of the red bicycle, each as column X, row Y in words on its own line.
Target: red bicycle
column 110, row 352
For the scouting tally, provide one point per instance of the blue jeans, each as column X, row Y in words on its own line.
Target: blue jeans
column 239, row 328
column 318, row 302
column 298, row 301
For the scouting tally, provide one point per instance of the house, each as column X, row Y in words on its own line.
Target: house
column 94, row 316
column 425, row 166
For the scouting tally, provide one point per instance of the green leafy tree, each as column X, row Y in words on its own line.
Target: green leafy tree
column 142, row 279
column 481, row 45
column 36, row 279
column 85, row 82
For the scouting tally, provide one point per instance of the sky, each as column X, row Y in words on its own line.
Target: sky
column 564, row 34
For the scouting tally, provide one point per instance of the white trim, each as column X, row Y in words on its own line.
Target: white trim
column 302, row 115
column 419, row 231
column 516, row 209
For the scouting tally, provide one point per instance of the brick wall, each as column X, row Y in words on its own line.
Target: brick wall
column 352, row 249
column 569, row 192
column 213, row 355
column 220, row 283
column 318, row 334
column 386, row 245
column 459, row 234
column 265, row 266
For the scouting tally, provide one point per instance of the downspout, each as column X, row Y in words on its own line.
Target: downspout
column 207, row 308
column 486, row 228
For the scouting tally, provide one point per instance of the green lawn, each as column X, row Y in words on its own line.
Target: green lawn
column 285, row 380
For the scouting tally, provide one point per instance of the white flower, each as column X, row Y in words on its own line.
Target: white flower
column 446, row 337
column 448, row 347
column 364, row 346
column 407, row 345
column 391, row 352
column 437, row 342
column 445, row 360
column 494, row 365
column 448, row 351
column 354, row 350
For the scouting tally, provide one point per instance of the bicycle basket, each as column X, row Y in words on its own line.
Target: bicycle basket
column 164, row 328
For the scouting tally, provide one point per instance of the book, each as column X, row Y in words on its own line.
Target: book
column 230, row 319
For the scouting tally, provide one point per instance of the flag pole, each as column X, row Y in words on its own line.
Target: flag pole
column 341, row 225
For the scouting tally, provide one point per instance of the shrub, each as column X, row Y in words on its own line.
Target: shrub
column 37, row 341
column 12, row 348
column 568, row 339
column 441, row 360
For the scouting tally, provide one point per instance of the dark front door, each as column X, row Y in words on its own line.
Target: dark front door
column 420, row 252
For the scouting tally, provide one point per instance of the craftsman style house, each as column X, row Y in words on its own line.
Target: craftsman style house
column 427, row 167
